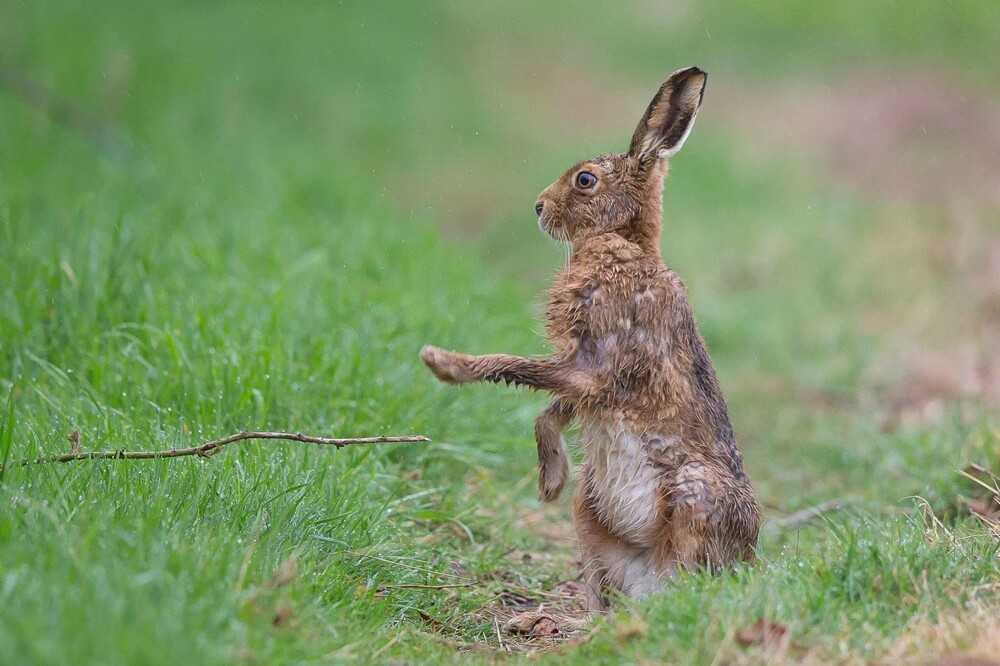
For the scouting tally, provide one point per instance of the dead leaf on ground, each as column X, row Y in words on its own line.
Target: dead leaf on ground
column 988, row 510
column 768, row 635
column 284, row 614
column 554, row 616
column 435, row 624
column 983, row 501
column 534, row 623
column 983, row 477
column 285, row 573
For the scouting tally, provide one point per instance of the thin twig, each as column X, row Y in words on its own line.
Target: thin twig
column 807, row 514
column 209, row 449
column 981, row 471
column 66, row 113
column 392, row 641
column 496, row 625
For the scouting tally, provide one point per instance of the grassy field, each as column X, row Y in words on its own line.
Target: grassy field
column 217, row 217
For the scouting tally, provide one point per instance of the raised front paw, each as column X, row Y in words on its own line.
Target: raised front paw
column 552, row 476
column 447, row 366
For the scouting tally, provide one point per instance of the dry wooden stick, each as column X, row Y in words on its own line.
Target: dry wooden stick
column 807, row 514
column 66, row 113
column 209, row 449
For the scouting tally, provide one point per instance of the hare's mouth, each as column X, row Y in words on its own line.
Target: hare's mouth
column 554, row 232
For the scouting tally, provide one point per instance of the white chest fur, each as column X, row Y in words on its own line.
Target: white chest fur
column 625, row 482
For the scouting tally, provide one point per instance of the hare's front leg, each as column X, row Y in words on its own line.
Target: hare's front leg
column 553, row 461
column 542, row 374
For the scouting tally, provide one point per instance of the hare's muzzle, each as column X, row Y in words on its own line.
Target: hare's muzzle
column 543, row 224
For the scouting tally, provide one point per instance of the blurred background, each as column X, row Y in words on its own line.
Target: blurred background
column 847, row 154
column 225, row 214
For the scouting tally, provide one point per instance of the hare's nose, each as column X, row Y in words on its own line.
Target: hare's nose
column 539, row 207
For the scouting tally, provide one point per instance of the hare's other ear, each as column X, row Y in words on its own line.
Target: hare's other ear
column 670, row 116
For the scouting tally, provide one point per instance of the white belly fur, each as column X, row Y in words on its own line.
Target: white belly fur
column 625, row 484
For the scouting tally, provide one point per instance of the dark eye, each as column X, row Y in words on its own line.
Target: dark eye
column 585, row 180
column 539, row 207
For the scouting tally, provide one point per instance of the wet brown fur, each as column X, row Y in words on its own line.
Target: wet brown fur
column 662, row 485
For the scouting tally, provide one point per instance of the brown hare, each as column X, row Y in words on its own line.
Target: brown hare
column 662, row 485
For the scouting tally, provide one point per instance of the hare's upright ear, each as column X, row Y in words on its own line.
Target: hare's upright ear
column 670, row 116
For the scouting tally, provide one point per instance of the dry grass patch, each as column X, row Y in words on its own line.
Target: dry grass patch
column 967, row 638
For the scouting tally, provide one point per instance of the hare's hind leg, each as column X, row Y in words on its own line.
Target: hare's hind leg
column 714, row 521
column 593, row 538
column 736, row 535
column 553, row 461
column 642, row 574
column 612, row 564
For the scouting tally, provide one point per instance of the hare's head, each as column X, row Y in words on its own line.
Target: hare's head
column 622, row 192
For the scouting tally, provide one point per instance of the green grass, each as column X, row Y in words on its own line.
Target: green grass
column 266, row 254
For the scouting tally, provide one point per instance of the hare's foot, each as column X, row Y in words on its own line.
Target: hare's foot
column 553, row 461
column 447, row 366
column 641, row 575
column 594, row 583
column 542, row 374
column 552, row 474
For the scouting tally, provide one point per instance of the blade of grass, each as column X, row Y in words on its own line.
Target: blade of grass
column 6, row 433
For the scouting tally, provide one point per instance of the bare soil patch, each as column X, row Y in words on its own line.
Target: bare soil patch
column 925, row 147
column 916, row 136
column 530, row 619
